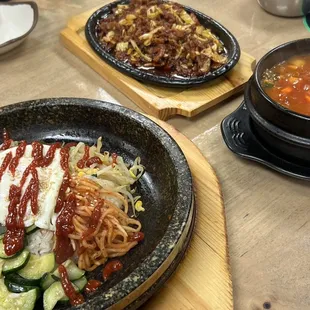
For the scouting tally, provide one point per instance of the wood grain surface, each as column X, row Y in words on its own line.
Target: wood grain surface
column 162, row 102
column 267, row 214
column 203, row 279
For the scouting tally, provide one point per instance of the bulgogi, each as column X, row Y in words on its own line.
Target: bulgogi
column 160, row 36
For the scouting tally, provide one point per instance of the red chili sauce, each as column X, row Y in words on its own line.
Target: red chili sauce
column 136, row 236
column 111, row 267
column 93, row 160
column 14, row 237
column 74, row 297
column 94, row 220
column 70, row 144
column 64, row 226
column 6, row 140
column 92, row 285
column 81, row 163
column 64, row 162
column 20, row 151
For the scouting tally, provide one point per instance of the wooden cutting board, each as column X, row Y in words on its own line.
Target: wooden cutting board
column 203, row 280
column 158, row 101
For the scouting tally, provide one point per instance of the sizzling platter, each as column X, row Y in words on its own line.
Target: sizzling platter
column 165, row 186
column 162, row 42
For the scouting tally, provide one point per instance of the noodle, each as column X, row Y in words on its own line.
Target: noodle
column 97, row 239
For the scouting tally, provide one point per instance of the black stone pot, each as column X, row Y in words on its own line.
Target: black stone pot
column 282, row 143
column 268, row 109
column 165, row 187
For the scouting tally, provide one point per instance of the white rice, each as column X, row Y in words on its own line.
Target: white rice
column 41, row 242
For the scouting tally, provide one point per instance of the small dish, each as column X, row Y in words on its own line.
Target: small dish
column 17, row 20
column 240, row 136
column 285, row 8
column 230, row 43
column 267, row 108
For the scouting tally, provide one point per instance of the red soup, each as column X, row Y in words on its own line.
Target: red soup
column 288, row 83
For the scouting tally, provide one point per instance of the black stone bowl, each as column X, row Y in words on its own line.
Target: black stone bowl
column 229, row 41
column 286, row 145
column 165, row 187
column 269, row 109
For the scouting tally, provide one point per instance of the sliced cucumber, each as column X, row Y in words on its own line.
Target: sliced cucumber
column 74, row 272
column 80, row 283
column 14, row 264
column 31, row 229
column 38, row 266
column 47, row 281
column 1, row 266
column 17, row 288
column 78, row 286
column 2, row 230
column 2, row 253
column 16, row 278
column 21, row 301
column 54, row 294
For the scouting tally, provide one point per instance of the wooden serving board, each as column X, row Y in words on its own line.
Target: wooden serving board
column 158, row 101
column 203, row 280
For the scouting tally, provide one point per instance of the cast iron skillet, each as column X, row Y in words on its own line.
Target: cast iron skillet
column 230, row 43
column 166, row 186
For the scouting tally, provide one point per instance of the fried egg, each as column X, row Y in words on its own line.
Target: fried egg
column 50, row 180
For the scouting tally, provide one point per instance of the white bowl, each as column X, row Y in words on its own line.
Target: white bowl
column 17, row 20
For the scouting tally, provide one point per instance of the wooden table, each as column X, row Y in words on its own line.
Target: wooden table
column 267, row 213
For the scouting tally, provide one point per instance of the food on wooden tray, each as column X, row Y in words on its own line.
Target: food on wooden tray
column 64, row 209
column 288, row 83
column 161, row 37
